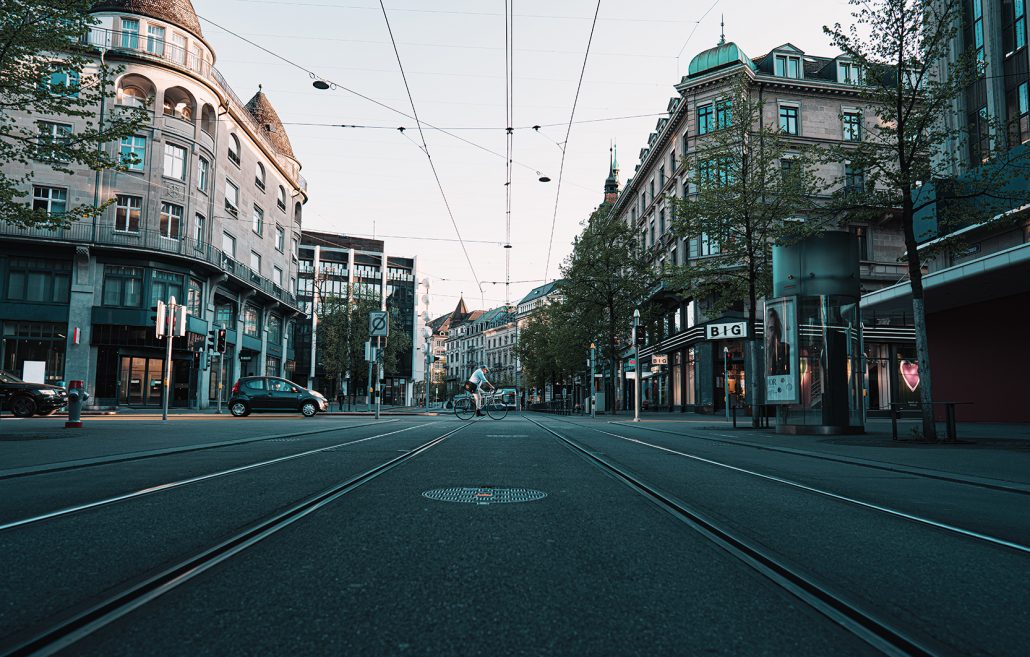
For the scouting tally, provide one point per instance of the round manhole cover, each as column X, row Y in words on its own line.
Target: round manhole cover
column 478, row 495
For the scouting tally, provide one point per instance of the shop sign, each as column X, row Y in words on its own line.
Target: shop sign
column 727, row 331
column 660, row 359
column 245, row 357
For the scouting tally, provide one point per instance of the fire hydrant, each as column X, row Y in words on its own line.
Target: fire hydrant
column 76, row 396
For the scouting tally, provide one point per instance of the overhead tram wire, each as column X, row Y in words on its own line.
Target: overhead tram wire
column 568, row 131
column 425, row 149
column 516, row 128
column 332, row 84
column 509, row 107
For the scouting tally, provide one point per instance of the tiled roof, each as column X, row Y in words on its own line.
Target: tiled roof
column 176, row 12
column 541, row 291
column 261, row 109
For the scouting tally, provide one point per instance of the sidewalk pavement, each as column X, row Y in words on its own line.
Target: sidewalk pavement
column 984, row 452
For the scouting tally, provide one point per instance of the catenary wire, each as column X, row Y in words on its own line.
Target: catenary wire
column 425, row 148
column 565, row 147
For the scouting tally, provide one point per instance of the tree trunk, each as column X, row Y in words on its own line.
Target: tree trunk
column 915, row 273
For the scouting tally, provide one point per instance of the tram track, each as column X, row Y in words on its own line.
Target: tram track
column 172, row 485
column 836, row 605
column 76, row 625
column 954, row 529
column 78, row 464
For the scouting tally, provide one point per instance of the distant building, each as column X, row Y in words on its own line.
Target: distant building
column 346, row 266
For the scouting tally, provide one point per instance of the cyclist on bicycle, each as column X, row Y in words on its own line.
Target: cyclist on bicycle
column 474, row 385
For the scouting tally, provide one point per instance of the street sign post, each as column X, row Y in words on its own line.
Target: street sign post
column 379, row 324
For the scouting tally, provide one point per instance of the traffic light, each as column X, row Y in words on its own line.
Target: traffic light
column 160, row 319
column 640, row 338
column 196, row 360
column 220, row 344
column 211, row 340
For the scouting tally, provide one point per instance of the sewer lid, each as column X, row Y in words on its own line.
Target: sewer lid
column 480, row 495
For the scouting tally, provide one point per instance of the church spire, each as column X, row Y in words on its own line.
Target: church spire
column 722, row 33
column 611, row 185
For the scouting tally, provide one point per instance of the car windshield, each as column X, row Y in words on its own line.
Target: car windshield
column 7, row 377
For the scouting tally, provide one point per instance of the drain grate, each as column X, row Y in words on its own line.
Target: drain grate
column 485, row 495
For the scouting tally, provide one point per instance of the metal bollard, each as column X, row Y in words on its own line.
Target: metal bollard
column 894, row 421
column 76, row 395
column 734, row 406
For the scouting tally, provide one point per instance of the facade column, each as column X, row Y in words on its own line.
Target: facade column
column 315, row 300
column 80, row 359
column 265, row 314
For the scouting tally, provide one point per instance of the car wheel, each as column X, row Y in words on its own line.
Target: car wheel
column 22, row 406
column 239, row 409
column 308, row 409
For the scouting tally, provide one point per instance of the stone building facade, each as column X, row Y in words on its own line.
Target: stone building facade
column 210, row 214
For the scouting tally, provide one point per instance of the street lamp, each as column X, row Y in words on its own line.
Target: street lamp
column 593, row 383
column 636, row 368
column 427, row 333
column 726, row 378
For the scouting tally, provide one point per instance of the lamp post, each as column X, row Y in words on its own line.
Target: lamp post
column 593, row 384
column 636, row 368
column 726, row 378
column 427, row 333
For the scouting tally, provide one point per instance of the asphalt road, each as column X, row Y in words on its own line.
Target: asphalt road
column 106, row 540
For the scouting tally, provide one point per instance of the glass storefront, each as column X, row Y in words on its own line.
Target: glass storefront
column 39, row 342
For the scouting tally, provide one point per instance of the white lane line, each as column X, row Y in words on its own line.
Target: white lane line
column 184, row 482
column 843, row 498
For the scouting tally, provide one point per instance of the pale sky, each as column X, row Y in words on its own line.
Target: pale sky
column 453, row 54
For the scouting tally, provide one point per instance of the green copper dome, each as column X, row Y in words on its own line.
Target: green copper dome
column 724, row 54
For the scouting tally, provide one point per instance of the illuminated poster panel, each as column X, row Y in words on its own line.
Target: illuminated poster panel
column 781, row 351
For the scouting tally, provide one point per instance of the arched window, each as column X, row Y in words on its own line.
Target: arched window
column 179, row 103
column 296, row 212
column 281, row 199
column 132, row 97
column 259, row 176
column 208, row 119
column 134, row 91
column 234, row 150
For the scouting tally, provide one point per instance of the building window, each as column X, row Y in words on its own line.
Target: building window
column 251, row 323
column 123, row 286
column 723, row 114
column 277, row 276
column 259, row 176
column 164, row 285
column 861, row 235
column 979, row 135
column 203, row 170
column 705, row 119
column 651, row 184
column 280, row 199
column 229, row 245
column 38, row 280
column 978, row 36
column 133, row 152
column 52, row 138
column 849, row 73
column 178, row 49
column 661, row 222
column 62, row 83
column 1021, row 120
column 788, row 67
column 854, row 178
column 661, row 177
column 175, row 162
column 195, row 298
column 789, row 119
column 232, row 198
column 255, row 261
column 130, row 33
column 234, row 150
column 198, row 230
column 1019, row 26
column 127, row 212
column 171, row 221
column 130, row 96
column 275, row 330
column 52, row 200
column 156, row 40
column 852, row 123
column 280, row 238
column 258, row 223
column 225, row 314
column 294, row 247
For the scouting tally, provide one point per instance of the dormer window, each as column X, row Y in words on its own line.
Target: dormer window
column 788, row 66
column 849, row 73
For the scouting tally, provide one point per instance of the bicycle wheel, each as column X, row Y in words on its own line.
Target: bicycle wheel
column 465, row 409
column 496, row 409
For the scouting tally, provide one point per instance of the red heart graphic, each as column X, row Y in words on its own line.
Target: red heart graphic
column 910, row 374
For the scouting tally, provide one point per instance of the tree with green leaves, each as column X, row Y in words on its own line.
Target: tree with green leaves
column 912, row 80
column 51, row 92
column 753, row 186
column 553, row 344
column 604, row 279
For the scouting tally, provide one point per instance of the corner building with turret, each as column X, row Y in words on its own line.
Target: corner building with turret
column 210, row 214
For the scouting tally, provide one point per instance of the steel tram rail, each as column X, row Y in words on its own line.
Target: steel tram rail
column 158, row 488
column 68, row 631
column 838, row 607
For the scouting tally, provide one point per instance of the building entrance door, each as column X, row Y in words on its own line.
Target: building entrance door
column 140, row 381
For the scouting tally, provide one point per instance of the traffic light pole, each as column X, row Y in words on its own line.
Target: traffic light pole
column 218, row 393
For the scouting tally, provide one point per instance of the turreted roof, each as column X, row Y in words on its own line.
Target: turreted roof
column 262, row 111
column 724, row 54
column 176, row 12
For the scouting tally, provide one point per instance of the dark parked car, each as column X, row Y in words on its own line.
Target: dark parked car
column 270, row 393
column 28, row 399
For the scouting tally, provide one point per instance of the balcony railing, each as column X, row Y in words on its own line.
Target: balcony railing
column 147, row 47
column 151, row 240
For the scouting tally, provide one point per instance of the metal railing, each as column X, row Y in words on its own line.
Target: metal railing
column 146, row 47
column 84, row 232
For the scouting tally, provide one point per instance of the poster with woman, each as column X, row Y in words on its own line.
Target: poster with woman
column 781, row 351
